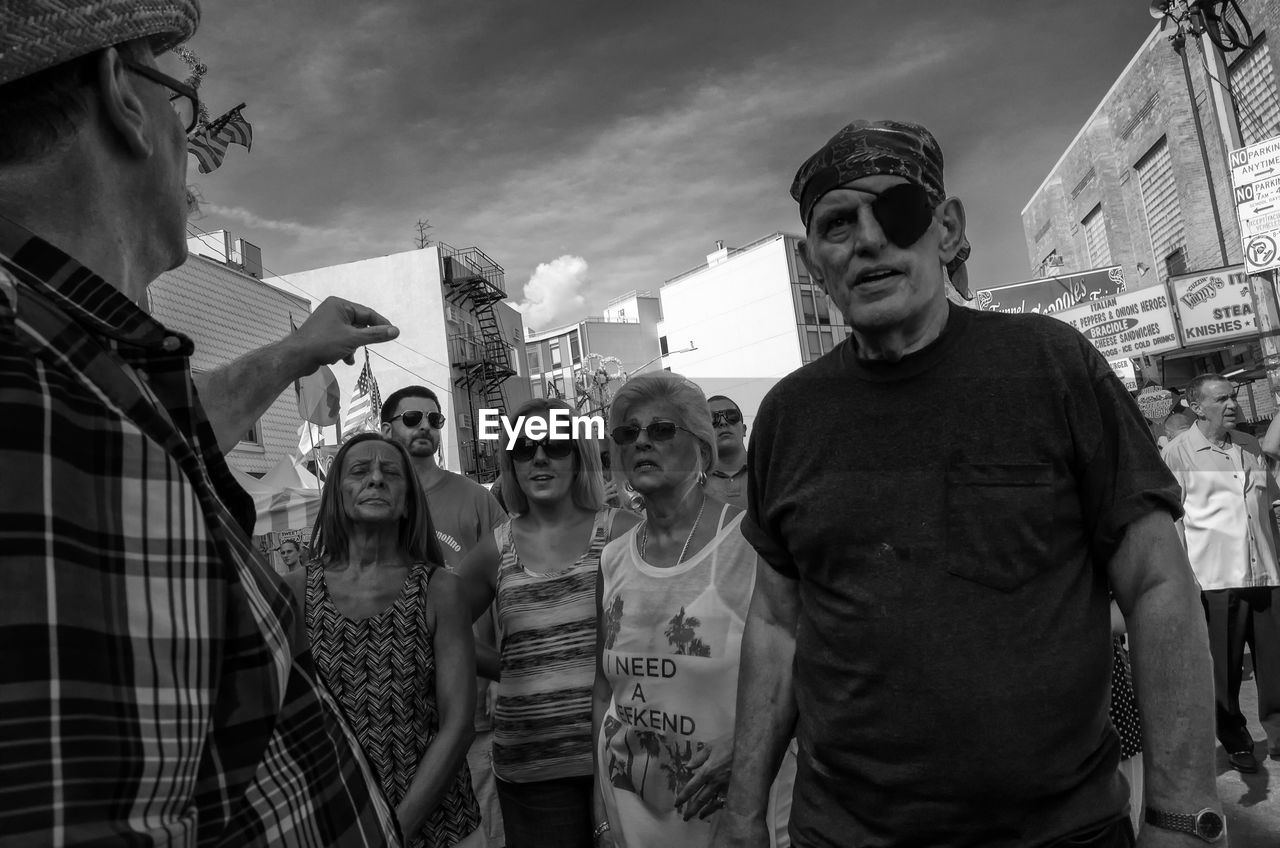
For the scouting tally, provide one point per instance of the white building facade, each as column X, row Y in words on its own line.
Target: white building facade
column 627, row 331
column 457, row 337
column 753, row 316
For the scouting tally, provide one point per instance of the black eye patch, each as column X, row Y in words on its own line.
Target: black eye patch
column 904, row 212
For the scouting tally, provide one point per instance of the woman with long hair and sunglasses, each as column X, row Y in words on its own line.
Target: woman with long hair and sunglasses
column 672, row 602
column 541, row 566
column 390, row 633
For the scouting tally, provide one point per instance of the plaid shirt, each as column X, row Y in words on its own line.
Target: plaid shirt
column 150, row 693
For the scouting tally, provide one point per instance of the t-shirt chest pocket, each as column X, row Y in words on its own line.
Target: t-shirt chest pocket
column 999, row 522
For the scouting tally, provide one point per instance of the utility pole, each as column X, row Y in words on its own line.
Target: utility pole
column 1266, row 312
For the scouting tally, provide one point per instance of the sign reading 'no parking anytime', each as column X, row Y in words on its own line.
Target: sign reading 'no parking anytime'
column 1255, row 178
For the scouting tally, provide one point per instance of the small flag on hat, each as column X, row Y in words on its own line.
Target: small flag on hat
column 209, row 145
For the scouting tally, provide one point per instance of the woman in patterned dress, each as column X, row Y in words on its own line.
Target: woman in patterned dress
column 541, row 566
column 672, row 603
column 391, row 637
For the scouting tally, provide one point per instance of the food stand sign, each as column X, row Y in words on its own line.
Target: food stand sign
column 1156, row 403
column 1214, row 305
column 1131, row 324
column 1048, row 295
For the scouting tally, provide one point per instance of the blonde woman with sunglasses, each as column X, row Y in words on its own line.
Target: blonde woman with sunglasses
column 672, row 601
column 541, row 566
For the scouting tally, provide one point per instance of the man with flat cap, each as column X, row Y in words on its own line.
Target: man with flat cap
column 934, row 625
column 155, row 685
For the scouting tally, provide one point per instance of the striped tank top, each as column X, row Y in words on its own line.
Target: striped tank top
column 547, row 645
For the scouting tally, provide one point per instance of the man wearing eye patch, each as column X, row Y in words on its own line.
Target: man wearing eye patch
column 464, row 512
column 728, row 479
column 935, row 623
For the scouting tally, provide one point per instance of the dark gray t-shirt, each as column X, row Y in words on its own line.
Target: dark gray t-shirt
column 950, row 540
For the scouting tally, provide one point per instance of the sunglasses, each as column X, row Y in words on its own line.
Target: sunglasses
column 659, row 431
column 728, row 416
column 525, row 448
column 413, row 418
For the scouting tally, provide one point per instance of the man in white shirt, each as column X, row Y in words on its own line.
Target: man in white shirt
column 1229, row 530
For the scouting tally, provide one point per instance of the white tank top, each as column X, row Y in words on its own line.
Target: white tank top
column 672, row 641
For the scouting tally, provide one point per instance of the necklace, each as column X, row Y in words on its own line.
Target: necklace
column 644, row 540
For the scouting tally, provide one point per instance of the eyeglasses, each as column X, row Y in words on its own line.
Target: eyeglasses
column 413, row 418
column 728, row 416
column 525, row 449
column 184, row 99
column 659, row 431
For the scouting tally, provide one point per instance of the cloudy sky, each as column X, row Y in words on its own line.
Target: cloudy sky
column 592, row 148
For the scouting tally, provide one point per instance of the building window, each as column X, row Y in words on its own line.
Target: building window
column 827, row 343
column 253, row 436
column 575, row 350
column 1095, row 238
column 535, row 387
column 807, row 313
column 534, row 353
column 815, row 344
column 1253, row 85
column 1160, row 199
column 820, row 301
column 1176, row 263
column 662, row 344
column 555, row 353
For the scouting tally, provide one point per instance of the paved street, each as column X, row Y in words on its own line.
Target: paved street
column 1251, row 801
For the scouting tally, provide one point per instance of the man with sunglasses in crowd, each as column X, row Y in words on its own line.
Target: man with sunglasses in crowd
column 935, row 624
column 464, row 512
column 728, row 479
column 1228, row 487
column 155, row 685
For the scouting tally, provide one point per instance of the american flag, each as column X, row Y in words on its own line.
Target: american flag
column 210, row 144
column 366, row 403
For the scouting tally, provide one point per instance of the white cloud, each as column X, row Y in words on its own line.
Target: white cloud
column 555, row 289
column 293, row 228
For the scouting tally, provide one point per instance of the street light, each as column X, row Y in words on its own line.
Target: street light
column 691, row 346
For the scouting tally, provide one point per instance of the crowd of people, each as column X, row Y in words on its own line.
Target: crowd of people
column 677, row 639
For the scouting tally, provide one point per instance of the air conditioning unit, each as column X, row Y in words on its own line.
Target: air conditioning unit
column 464, row 421
column 1054, row 261
column 453, row 313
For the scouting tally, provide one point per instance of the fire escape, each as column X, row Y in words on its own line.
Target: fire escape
column 482, row 363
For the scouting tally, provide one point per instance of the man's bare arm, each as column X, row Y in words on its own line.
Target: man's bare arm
column 1173, row 677
column 236, row 395
column 766, row 715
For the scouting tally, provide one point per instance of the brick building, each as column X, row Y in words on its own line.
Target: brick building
column 1144, row 185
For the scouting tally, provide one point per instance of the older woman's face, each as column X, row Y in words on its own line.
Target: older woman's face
column 653, row 464
column 374, row 485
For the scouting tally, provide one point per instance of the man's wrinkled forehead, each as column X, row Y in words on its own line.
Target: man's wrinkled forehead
column 870, row 148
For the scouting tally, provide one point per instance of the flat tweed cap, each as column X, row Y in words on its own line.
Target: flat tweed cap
column 39, row 34
column 870, row 148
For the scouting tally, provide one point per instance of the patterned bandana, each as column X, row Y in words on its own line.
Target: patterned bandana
column 867, row 148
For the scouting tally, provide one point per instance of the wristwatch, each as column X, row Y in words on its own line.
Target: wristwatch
column 1206, row 824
